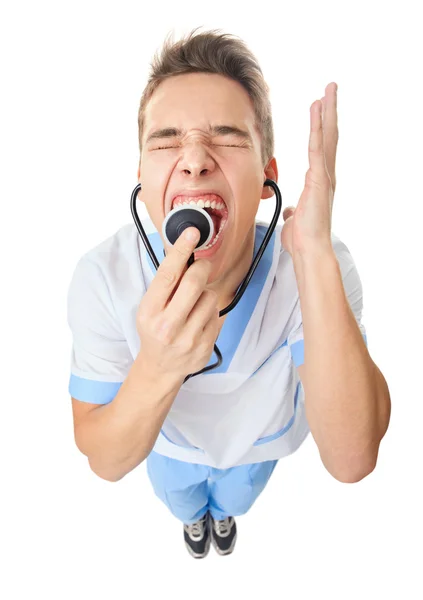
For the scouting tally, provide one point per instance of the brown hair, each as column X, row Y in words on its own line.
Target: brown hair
column 214, row 52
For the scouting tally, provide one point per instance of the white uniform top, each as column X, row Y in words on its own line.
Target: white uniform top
column 251, row 408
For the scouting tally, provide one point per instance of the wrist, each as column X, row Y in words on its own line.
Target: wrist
column 150, row 372
column 314, row 254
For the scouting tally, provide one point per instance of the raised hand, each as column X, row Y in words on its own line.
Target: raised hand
column 308, row 225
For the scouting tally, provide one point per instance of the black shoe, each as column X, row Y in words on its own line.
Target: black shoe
column 223, row 535
column 197, row 537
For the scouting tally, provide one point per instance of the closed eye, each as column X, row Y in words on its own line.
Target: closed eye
column 220, row 145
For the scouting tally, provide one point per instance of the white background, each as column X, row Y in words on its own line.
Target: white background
column 72, row 77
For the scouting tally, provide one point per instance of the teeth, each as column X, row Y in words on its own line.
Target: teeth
column 222, row 225
column 212, row 244
column 201, row 204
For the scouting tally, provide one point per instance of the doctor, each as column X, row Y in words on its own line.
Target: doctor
column 212, row 444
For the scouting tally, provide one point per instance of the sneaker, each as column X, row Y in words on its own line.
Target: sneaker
column 223, row 535
column 197, row 537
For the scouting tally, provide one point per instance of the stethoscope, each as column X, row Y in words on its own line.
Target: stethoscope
column 182, row 217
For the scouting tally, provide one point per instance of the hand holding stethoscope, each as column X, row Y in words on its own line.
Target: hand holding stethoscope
column 179, row 219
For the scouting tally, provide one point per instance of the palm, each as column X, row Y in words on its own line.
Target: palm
column 310, row 222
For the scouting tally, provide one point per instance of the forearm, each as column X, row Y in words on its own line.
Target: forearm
column 118, row 436
column 346, row 396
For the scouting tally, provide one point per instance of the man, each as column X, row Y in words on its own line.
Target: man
column 294, row 348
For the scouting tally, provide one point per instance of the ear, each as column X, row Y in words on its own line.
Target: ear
column 140, row 196
column 271, row 172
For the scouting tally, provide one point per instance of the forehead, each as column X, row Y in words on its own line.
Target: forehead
column 197, row 100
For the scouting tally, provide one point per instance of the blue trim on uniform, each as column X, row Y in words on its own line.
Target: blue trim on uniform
column 281, row 432
column 190, row 447
column 297, row 351
column 96, row 392
column 237, row 319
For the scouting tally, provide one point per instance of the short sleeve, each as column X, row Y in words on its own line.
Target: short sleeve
column 354, row 292
column 100, row 356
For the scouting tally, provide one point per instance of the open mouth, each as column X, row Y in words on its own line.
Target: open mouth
column 219, row 219
column 214, row 206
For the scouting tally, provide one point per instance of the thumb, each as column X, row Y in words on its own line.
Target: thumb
column 288, row 212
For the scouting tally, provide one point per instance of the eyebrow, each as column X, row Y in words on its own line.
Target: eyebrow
column 169, row 132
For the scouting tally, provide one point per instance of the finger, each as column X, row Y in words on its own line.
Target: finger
column 322, row 100
column 316, row 153
column 187, row 294
column 204, row 310
column 288, row 212
column 169, row 272
column 330, row 128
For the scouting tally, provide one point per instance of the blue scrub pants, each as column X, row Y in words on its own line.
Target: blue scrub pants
column 189, row 490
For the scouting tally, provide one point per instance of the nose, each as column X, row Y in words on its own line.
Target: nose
column 196, row 161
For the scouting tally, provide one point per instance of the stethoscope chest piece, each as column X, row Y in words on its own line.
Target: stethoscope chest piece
column 182, row 217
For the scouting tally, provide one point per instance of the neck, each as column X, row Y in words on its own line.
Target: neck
column 227, row 285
